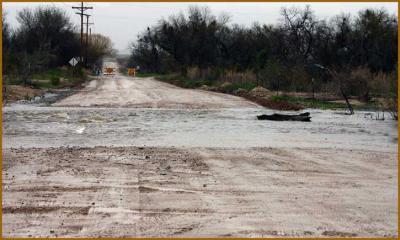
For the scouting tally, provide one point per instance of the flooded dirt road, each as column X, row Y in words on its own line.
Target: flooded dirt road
column 147, row 166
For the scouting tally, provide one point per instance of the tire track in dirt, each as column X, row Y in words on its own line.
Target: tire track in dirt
column 113, row 214
column 149, row 192
column 169, row 204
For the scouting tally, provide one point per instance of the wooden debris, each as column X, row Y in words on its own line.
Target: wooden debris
column 303, row 117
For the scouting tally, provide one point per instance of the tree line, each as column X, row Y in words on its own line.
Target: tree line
column 299, row 53
column 45, row 39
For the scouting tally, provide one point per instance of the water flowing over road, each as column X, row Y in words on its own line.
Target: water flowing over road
column 135, row 157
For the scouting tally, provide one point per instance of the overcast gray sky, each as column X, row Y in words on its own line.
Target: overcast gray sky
column 123, row 21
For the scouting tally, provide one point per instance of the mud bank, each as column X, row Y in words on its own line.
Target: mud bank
column 260, row 192
column 42, row 97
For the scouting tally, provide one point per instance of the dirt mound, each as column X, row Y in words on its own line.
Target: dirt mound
column 262, row 96
column 225, row 87
column 241, row 92
column 277, row 105
column 260, row 92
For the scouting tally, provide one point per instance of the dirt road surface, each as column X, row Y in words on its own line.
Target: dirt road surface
column 201, row 166
column 121, row 91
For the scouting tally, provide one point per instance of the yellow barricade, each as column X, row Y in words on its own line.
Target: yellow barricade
column 109, row 71
column 132, row 72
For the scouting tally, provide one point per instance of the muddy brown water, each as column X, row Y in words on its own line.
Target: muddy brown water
column 26, row 125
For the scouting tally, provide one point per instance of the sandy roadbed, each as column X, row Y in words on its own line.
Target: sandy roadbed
column 122, row 91
column 135, row 191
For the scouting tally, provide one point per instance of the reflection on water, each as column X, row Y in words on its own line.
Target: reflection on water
column 35, row 126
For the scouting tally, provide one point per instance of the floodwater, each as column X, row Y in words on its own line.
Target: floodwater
column 30, row 125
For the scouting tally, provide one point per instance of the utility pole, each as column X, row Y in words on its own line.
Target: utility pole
column 81, row 12
column 87, row 38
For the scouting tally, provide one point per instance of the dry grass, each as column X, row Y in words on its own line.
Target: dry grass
column 19, row 92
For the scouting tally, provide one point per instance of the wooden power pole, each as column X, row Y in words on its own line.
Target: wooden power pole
column 81, row 12
column 87, row 38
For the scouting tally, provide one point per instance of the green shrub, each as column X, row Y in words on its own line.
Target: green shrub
column 55, row 81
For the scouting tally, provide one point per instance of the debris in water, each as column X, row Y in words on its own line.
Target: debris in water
column 303, row 117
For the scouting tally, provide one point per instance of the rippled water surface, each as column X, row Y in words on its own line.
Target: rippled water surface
column 26, row 125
